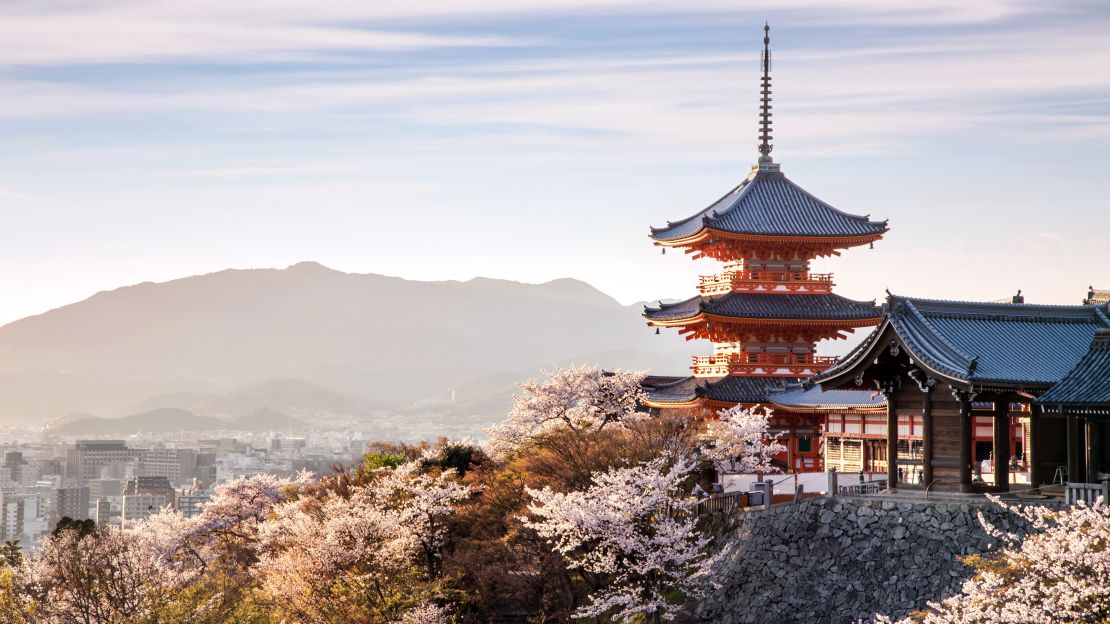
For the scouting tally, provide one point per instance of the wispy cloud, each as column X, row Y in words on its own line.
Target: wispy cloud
column 207, row 114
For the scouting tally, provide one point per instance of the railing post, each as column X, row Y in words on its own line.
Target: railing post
column 799, row 492
column 1106, row 492
column 832, row 481
column 770, row 493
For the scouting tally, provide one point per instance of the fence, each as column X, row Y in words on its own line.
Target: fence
column 1086, row 492
column 866, row 487
column 720, row 503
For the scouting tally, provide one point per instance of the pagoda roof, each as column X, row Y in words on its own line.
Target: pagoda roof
column 729, row 389
column 767, row 203
column 746, row 305
column 1086, row 389
column 812, row 397
column 786, row 393
column 982, row 343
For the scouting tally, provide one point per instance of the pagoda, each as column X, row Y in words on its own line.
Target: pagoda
column 765, row 311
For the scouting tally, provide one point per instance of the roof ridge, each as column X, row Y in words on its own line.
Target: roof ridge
column 738, row 188
column 864, row 218
column 908, row 303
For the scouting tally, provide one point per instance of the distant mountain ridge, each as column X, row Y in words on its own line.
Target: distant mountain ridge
column 172, row 420
column 341, row 343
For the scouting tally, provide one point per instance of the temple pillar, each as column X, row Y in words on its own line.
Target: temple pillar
column 927, row 438
column 1032, row 454
column 965, row 440
column 1002, row 443
column 1075, row 470
column 891, row 438
column 1094, row 449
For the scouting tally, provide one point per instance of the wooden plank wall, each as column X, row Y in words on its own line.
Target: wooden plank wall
column 908, row 400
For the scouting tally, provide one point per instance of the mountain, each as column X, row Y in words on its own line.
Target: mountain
column 307, row 340
column 173, row 420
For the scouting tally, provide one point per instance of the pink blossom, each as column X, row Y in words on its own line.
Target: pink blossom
column 628, row 524
column 582, row 399
column 739, row 441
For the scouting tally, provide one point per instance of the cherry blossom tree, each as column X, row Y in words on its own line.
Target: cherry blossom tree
column 740, row 441
column 227, row 527
column 103, row 575
column 629, row 526
column 354, row 558
column 579, row 399
column 1058, row 573
column 427, row 613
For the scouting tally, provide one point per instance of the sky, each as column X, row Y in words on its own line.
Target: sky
column 145, row 140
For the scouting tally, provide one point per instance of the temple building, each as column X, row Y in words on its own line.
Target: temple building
column 936, row 361
column 1083, row 399
column 765, row 311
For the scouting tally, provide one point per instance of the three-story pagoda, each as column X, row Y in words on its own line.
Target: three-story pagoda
column 765, row 311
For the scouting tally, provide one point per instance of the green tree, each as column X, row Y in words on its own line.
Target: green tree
column 11, row 554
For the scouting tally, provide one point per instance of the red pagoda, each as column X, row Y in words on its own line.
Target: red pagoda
column 765, row 311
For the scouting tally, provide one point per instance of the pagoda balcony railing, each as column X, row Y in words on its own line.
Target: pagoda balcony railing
column 770, row 364
column 751, row 280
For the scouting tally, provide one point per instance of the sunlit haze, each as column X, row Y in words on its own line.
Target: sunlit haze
column 539, row 140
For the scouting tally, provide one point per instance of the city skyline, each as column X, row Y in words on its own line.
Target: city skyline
column 439, row 142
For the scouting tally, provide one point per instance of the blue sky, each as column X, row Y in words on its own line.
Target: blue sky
column 146, row 140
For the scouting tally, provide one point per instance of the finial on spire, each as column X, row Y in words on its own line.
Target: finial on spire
column 765, row 146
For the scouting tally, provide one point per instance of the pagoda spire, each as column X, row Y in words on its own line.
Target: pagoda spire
column 765, row 145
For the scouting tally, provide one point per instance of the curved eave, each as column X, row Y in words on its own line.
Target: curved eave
column 1077, row 409
column 707, row 233
column 842, row 376
column 830, row 409
column 672, row 404
column 703, row 317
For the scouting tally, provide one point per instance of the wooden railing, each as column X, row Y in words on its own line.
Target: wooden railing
column 791, row 364
column 867, row 487
column 766, row 281
column 720, row 503
column 1087, row 492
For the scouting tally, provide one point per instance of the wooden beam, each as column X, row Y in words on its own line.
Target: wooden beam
column 965, row 440
column 1094, row 449
column 927, row 436
column 1002, row 443
column 1075, row 470
column 1033, row 453
column 891, row 437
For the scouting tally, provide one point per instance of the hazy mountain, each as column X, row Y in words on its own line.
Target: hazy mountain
column 318, row 339
column 173, row 420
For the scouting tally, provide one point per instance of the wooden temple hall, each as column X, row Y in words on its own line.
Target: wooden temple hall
column 1041, row 371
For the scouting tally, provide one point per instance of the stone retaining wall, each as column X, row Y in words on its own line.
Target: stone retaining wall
column 842, row 560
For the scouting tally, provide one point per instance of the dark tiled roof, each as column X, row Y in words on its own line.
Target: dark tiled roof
column 737, row 389
column 730, row 389
column 987, row 342
column 1088, row 384
column 767, row 203
column 814, row 398
column 767, row 306
column 681, row 390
